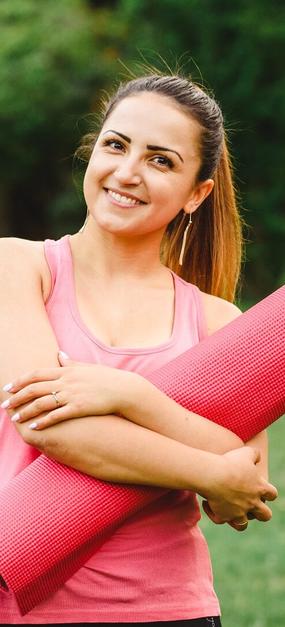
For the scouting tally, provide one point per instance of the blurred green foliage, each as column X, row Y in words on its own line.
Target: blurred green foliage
column 249, row 568
column 56, row 57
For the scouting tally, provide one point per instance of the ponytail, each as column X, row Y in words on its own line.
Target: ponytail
column 213, row 252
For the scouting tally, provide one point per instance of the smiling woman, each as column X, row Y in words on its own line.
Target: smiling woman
column 214, row 266
column 130, row 167
column 115, row 297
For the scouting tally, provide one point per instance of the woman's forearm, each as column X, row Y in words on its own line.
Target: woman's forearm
column 119, row 451
column 96, row 390
column 114, row 449
column 147, row 406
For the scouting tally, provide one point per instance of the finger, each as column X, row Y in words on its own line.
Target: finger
column 213, row 517
column 64, row 359
column 271, row 493
column 37, row 407
column 250, row 516
column 43, row 374
column 262, row 513
column 239, row 524
column 53, row 418
column 29, row 393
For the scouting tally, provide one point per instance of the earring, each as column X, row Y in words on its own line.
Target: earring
column 184, row 240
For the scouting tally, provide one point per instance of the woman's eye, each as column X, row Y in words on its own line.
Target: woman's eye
column 163, row 161
column 113, row 143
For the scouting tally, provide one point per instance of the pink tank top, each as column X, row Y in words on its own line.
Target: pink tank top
column 156, row 566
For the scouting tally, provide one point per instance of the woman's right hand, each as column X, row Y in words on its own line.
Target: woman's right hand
column 74, row 390
column 239, row 490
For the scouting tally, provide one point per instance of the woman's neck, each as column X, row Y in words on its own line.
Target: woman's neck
column 109, row 256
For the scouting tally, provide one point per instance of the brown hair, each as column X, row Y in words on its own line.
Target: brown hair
column 213, row 251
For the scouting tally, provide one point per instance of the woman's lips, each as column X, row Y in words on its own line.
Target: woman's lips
column 123, row 199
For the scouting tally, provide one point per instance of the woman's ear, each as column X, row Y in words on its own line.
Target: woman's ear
column 198, row 195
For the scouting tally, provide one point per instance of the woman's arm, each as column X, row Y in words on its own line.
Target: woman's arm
column 127, row 453
column 92, row 390
column 28, row 341
column 26, row 337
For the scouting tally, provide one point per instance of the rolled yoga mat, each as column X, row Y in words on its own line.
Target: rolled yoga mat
column 49, row 527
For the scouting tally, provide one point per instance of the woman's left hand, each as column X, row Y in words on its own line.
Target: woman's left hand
column 74, row 390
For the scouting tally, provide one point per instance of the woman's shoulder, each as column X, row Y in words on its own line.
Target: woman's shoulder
column 21, row 259
column 218, row 312
column 19, row 245
column 14, row 250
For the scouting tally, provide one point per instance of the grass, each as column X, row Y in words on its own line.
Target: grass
column 249, row 567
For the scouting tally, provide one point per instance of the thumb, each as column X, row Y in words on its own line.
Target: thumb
column 64, row 359
column 255, row 454
column 213, row 517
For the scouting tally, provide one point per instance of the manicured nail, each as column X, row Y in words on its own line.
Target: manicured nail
column 5, row 404
column 15, row 417
column 33, row 425
column 7, row 387
column 63, row 355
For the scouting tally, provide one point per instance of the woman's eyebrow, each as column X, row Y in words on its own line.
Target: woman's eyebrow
column 149, row 146
column 110, row 130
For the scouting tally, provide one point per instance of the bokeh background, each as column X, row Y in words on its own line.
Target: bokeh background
column 56, row 57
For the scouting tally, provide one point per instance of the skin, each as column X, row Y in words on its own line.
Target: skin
column 116, row 259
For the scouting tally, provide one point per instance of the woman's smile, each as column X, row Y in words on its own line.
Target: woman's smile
column 122, row 199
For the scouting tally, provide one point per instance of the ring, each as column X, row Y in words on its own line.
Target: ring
column 242, row 525
column 54, row 394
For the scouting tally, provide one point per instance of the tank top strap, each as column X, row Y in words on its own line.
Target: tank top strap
column 59, row 261
column 200, row 309
column 189, row 309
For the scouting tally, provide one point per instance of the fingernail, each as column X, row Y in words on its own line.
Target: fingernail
column 7, row 387
column 33, row 425
column 5, row 404
column 63, row 355
column 15, row 417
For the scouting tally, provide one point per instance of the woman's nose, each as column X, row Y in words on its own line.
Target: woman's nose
column 128, row 172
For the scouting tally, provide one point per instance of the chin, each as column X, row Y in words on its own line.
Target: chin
column 110, row 226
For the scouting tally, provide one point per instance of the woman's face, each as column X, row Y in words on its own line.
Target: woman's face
column 143, row 167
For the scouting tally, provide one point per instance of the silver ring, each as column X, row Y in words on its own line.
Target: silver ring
column 54, row 394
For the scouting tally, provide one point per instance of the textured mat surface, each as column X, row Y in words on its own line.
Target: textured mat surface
column 235, row 378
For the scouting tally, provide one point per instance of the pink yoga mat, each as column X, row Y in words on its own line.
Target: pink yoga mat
column 235, row 377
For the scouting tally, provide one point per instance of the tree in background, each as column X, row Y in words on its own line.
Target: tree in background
column 56, row 58
column 49, row 75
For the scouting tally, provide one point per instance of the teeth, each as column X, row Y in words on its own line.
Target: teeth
column 124, row 200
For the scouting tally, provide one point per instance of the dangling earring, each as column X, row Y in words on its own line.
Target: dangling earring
column 184, row 240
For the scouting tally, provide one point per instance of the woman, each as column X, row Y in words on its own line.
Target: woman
column 158, row 164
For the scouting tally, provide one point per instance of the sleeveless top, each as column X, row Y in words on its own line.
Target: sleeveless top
column 156, row 566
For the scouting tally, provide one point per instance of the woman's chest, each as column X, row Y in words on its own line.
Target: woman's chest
column 120, row 316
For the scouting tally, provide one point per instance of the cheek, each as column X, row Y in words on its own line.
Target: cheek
column 86, row 182
column 171, row 198
column 100, row 166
